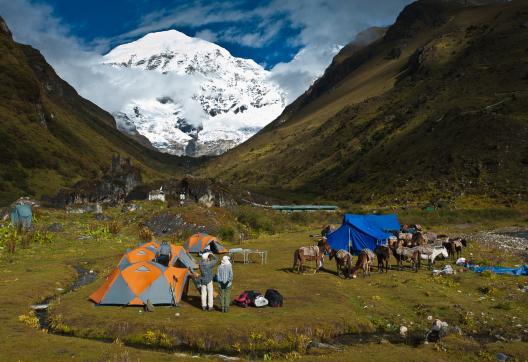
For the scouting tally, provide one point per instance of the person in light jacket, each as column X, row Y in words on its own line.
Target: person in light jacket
column 224, row 277
column 207, row 264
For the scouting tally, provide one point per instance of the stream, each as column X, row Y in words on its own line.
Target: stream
column 84, row 277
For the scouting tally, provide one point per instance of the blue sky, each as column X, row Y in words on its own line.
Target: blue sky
column 110, row 21
column 294, row 39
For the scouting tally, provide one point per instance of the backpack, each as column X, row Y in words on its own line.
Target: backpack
column 252, row 296
column 275, row 299
column 242, row 300
column 260, row 301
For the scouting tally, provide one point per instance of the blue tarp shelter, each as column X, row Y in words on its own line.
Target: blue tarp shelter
column 363, row 231
column 21, row 216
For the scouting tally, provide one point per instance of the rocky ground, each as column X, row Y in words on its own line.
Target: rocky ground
column 514, row 240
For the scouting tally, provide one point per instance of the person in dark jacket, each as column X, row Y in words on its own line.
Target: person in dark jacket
column 163, row 254
column 224, row 277
column 207, row 264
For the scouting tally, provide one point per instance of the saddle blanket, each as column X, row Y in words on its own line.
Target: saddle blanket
column 370, row 254
column 341, row 254
column 310, row 250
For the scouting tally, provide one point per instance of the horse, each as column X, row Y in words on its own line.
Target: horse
column 383, row 254
column 430, row 253
column 326, row 230
column 308, row 253
column 454, row 247
column 418, row 239
column 403, row 253
column 364, row 262
column 343, row 262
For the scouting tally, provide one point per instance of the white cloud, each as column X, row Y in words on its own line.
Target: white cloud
column 206, row 34
column 109, row 87
column 322, row 26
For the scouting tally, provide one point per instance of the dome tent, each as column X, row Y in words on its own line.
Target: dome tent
column 135, row 284
column 197, row 243
column 147, row 252
column 139, row 278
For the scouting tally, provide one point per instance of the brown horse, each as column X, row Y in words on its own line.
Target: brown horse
column 454, row 247
column 343, row 262
column 364, row 262
column 418, row 239
column 403, row 253
column 308, row 253
column 383, row 254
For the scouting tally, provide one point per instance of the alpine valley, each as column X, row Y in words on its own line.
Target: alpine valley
column 217, row 102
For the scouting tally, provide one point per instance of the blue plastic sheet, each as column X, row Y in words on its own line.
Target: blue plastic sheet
column 522, row 270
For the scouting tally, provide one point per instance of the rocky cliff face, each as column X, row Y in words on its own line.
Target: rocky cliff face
column 222, row 101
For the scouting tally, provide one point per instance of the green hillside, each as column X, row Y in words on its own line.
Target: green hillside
column 437, row 109
column 50, row 136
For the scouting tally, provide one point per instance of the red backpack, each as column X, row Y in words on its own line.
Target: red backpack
column 243, row 300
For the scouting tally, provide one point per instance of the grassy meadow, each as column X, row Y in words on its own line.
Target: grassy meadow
column 489, row 310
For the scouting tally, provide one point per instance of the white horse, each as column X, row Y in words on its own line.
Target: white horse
column 430, row 253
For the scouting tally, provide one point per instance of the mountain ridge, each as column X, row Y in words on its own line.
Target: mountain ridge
column 414, row 116
column 51, row 136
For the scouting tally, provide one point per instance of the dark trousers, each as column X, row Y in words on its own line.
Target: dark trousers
column 163, row 259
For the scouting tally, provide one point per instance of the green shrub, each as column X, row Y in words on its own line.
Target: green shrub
column 114, row 227
column 9, row 238
column 259, row 220
column 226, row 233
column 145, row 234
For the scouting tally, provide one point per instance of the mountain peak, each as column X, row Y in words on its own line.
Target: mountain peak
column 222, row 101
column 163, row 42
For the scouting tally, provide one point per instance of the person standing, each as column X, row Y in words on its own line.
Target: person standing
column 224, row 277
column 164, row 253
column 207, row 264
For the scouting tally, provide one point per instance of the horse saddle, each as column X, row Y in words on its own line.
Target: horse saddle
column 310, row 250
column 370, row 254
column 341, row 254
column 457, row 243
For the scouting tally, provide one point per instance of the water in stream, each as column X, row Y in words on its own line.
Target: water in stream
column 84, row 277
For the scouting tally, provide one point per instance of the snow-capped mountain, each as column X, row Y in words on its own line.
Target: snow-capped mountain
column 219, row 101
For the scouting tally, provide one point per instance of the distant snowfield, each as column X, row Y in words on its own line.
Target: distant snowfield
column 210, row 101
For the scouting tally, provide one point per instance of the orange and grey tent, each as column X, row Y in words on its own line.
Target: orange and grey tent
column 134, row 284
column 198, row 242
column 138, row 278
column 147, row 252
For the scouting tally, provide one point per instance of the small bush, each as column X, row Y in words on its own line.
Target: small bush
column 145, row 234
column 226, row 233
column 489, row 290
column 114, row 227
column 29, row 319
column 9, row 239
column 41, row 237
column 99, row 233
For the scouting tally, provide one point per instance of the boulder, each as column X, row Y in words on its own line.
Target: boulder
column 129, row 208
column 84, row 208
column 101, row 217
column 438, row 330
column 55, row 227
column 165, row 224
